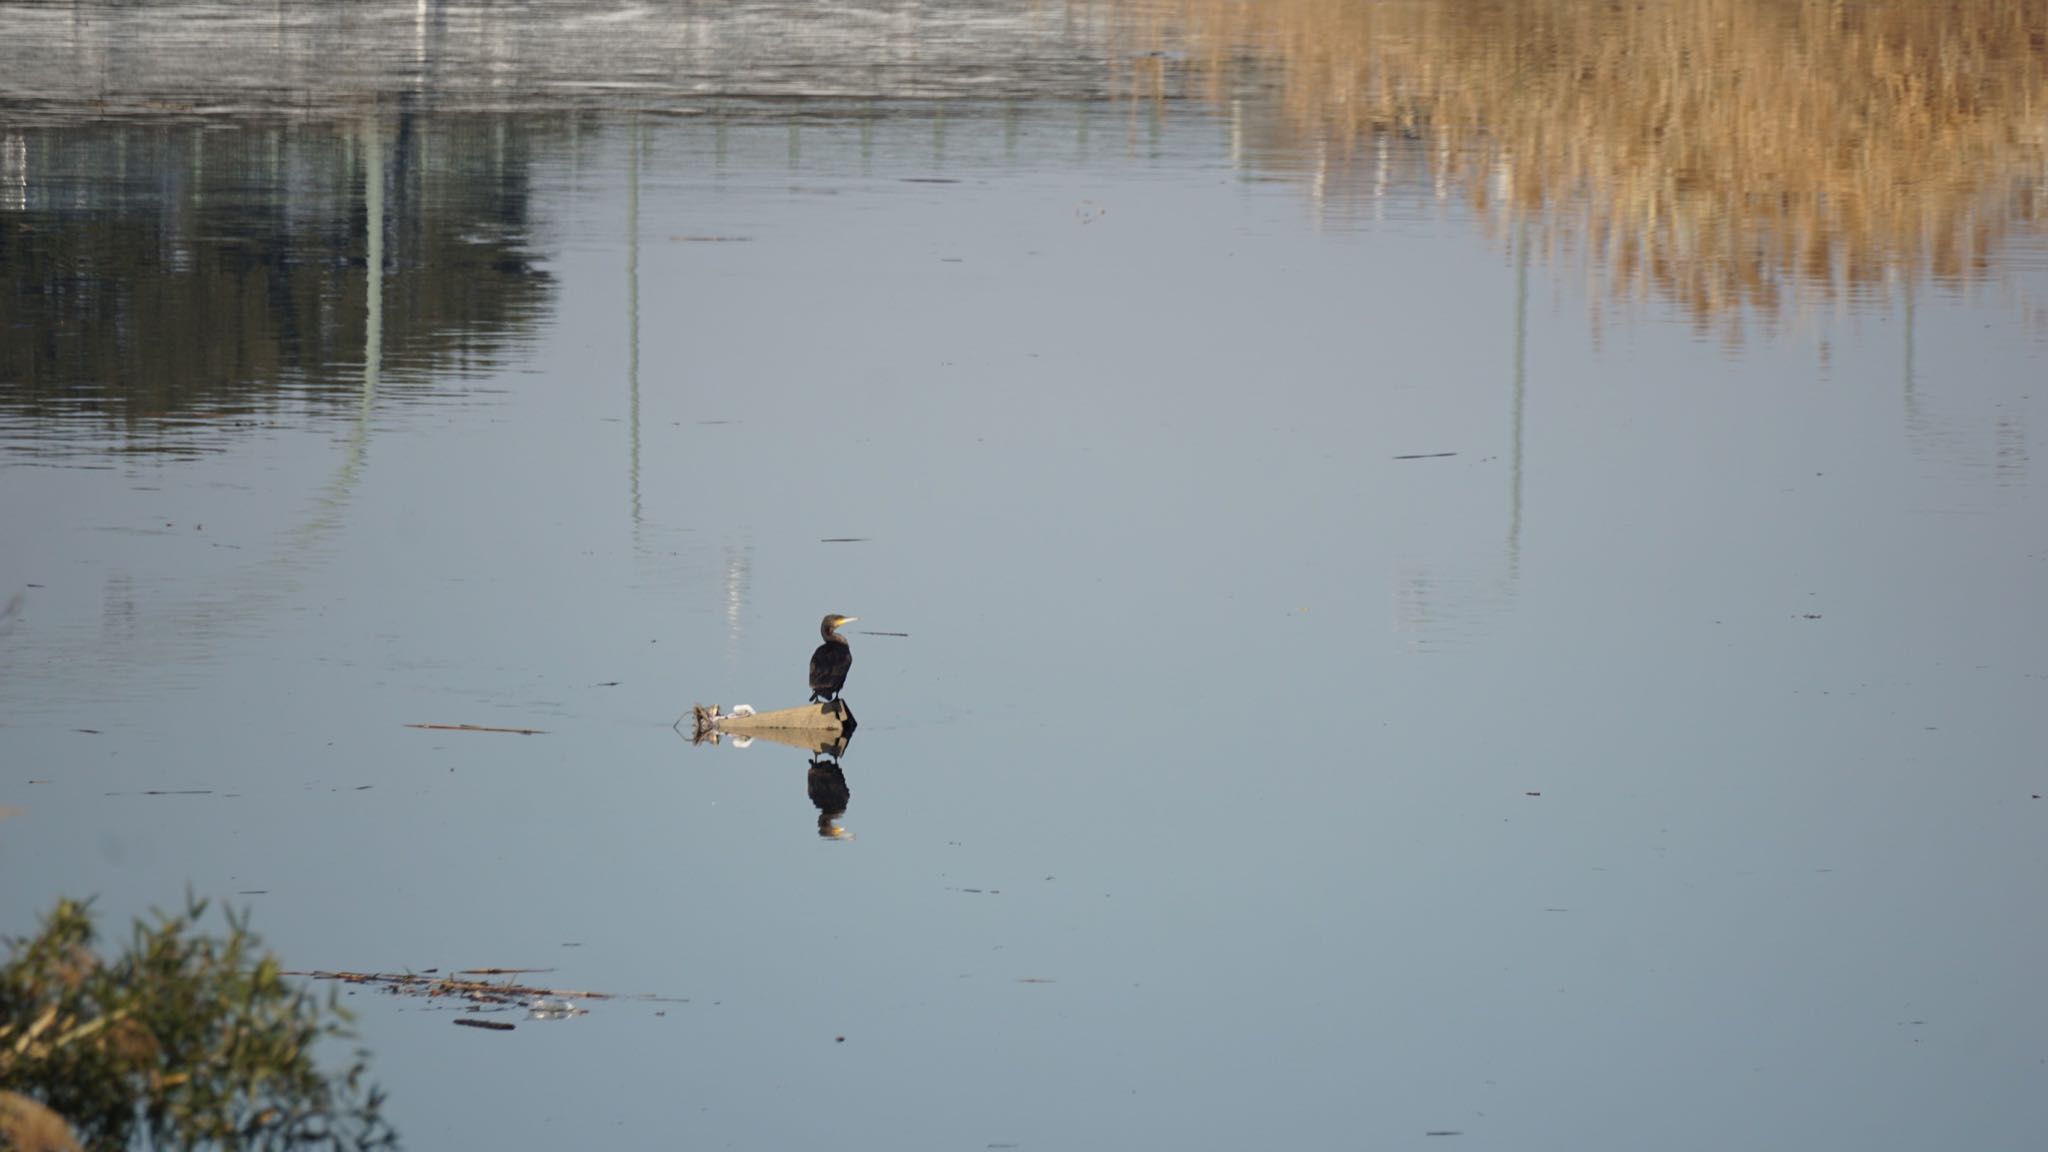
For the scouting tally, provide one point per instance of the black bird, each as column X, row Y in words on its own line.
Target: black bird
column 831, row 661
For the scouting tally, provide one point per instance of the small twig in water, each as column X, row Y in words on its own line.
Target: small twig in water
column 493, row 1025
column 480, row 728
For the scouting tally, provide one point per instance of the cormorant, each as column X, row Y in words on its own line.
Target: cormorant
column 831, row 661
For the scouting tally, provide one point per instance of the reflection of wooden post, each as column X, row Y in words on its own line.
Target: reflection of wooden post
column 331, row 503
column 1907, row 351
column 633, row 319
column 1521, row 374
column 1919, row 429
column 373, row 211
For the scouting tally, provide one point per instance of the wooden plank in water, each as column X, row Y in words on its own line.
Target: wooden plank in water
column 806, row 717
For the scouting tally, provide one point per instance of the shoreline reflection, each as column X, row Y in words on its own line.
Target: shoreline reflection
column 172, row 283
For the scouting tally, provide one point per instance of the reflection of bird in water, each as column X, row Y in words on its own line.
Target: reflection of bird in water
column 831, row 661
column 829, row 792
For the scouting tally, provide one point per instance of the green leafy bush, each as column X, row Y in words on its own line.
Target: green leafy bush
column 185, row 1040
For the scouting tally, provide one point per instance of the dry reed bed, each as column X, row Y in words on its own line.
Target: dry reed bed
column 1712, row 152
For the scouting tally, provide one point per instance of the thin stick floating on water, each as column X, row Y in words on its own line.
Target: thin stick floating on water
column 480, row 728
column 844, row 540
column 1425, row 456
column 867, row 633
column 167, row 792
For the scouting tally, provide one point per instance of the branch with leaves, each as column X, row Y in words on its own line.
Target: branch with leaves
column 188, row 1038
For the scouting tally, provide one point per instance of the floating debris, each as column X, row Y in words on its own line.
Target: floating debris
column 550, row 1009
column 477, row 995
column 1427, row 456
column 492, row 1025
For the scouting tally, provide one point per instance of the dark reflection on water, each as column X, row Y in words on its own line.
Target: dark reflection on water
column 826, row 783
column 168, row 283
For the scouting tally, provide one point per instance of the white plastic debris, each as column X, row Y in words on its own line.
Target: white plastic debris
column 547, row 1009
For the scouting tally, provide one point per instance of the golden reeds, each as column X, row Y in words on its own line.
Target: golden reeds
column 1712, row 152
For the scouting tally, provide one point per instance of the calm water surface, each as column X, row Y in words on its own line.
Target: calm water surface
column 1431, row 604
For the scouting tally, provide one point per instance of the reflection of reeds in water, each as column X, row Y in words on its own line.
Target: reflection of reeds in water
column 1713, row 152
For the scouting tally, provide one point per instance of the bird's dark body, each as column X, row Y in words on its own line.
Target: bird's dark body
column 830, row 663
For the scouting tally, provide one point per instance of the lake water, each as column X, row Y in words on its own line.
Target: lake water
column 1423, row 569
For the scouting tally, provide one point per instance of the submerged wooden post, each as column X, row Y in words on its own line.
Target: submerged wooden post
column 808, row 722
